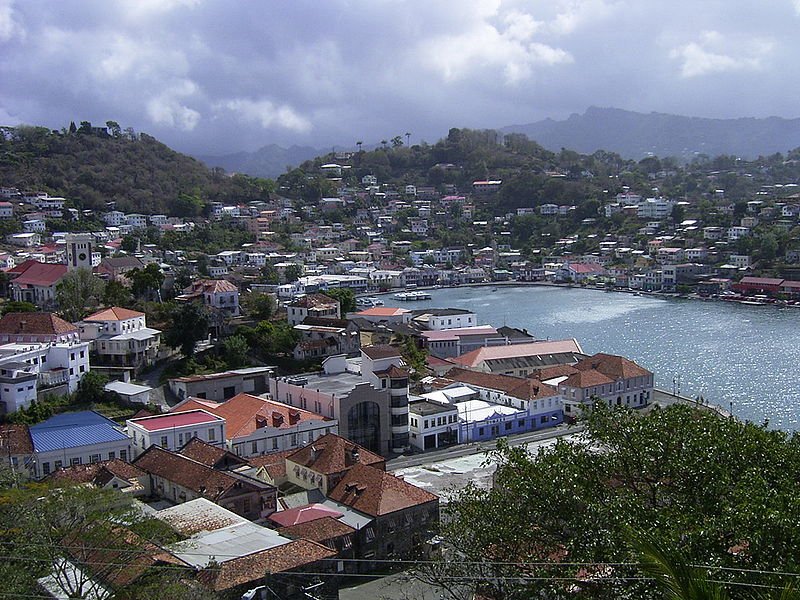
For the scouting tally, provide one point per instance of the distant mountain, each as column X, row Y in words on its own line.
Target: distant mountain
column 269, row 161
column 634, row 135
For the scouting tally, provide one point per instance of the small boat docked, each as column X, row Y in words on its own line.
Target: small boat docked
column 412, row 296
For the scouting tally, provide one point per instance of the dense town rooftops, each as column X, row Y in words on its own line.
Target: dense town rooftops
column 35, row 323
column 453, row 334
column 375, row 492
column 211, row 456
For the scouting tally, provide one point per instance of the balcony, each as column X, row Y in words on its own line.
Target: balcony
column 53, row 378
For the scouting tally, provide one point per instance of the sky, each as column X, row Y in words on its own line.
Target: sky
column 220, row 76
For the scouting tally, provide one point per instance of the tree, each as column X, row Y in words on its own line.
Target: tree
column 146, row 283
column 292, row 273
column 397, row 141
column 78, row 291
column 189, row 325
column 678, row 213
column 261, row 306
column 130, row 243
column 116, row 130
column 14, row 306
column 236, row 351
column 91, row 388
column 45, row 529
column 346, row 298
column 116, row 294
column 721, row 491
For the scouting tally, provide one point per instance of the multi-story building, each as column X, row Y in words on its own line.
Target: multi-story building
column 257, row 426
column 613, row 380
column 384, row 368
column 432, row 424
column 312, row 305
column 69, row 439
column 216, row 294
column 362, row 410
column 172, row 431
column 120, row 337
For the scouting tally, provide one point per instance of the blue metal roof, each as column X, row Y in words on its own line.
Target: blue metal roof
column 72, row 430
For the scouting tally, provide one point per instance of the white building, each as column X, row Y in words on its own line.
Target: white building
column 433, row 424
column 121, row 337
column 173, row 430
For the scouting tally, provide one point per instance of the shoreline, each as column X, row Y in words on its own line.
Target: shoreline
column 746, row 301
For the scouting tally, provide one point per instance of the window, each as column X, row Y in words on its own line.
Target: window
column 94, row 458
column 71, row 371
column 254, row 447
column 46, row 468
column 508, row 425
column 75, row 461
column 212, row 434
column 293, row 439
column 369, row 532
column 543, row 419
column 83, row 354
column 164, row 442
column 112, row 455
column 82, row 369
column 274, row 443
column 72, row 356
column 480, row 430
column 180, row 439
column 123, row 455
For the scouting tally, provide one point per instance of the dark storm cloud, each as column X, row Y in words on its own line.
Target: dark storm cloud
column 213, row 77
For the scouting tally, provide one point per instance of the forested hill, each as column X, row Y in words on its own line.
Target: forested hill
column 636, row 135
column 92, row 166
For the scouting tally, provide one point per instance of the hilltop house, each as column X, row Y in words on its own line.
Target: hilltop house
column 120, row 337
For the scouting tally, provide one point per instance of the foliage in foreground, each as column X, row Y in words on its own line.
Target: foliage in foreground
column 722, row 492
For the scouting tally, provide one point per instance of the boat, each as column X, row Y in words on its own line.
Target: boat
column 412, row 296
column 368, row 302
column 375, row 301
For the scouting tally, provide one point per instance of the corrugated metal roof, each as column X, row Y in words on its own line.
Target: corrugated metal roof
column 57, row 438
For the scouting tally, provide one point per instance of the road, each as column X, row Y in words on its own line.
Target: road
column 434, row 456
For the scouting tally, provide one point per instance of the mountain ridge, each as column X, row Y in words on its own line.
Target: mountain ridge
column 636, row 135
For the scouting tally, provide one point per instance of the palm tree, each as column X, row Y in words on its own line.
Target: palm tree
column 383, row 143
column 359, row 144
column 408, row 138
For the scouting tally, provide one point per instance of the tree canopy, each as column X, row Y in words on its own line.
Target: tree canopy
column 557, row 523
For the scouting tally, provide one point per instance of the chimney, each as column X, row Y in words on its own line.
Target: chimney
column 352, row 456
column 315, row 452
column 294, row 417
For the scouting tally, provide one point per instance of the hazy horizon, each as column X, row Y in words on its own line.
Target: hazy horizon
column 217, row 77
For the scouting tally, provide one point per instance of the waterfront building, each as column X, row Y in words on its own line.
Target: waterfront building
column 521, row 359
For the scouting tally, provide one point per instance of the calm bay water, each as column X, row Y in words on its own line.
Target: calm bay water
column 726, row 352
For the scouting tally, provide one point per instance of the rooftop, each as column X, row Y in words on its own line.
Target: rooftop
column 475, row 357
column 115, row 313
column 319, row 530
column 179, row 419
column 380, row 351
column 303, row 514
column 382, row 311
column 73, row 430
column 330, row 454
column 35, row 323
column 425, row 408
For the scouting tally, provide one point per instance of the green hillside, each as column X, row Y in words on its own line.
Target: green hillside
column 90, row 167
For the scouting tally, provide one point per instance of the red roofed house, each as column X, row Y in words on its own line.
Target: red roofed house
column 323, row 463
column 607, row 378
column 384, row 314
column 521, row 359
column 181, row 479
column 312, row 305
column 255, row 426
column 217, row 294
column 758, row 285
column 120, row 337
column 579, row 271
column 37, row 283
column 40, row 327
column 173, row 430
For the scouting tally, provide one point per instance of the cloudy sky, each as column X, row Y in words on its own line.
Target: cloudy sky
column 218, row 76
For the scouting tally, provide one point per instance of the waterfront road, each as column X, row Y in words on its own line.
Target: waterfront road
column 435, row 456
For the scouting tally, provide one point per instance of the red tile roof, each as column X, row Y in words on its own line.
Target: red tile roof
column 15, row 440
column 179, row 419
column 41, row 274
column 208, row 455
column 331, row 454
column 274, row 463
column 115, row 313
column 35, row 323
column 379, row 351
column 375, row 492
column 185, row 472
column 91, row 472
column 382, row 311
column 253, row 567
column 318, row 530
column 244, row 413
column 516, row 387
